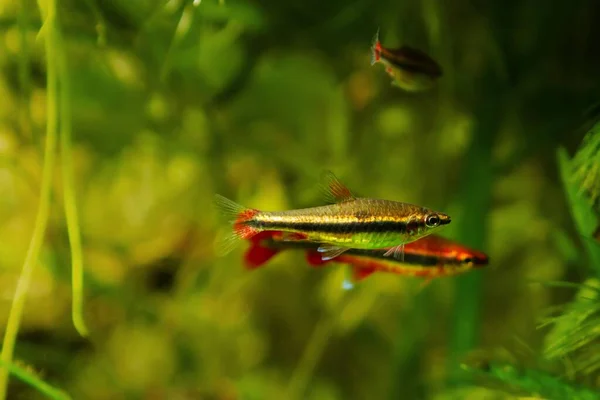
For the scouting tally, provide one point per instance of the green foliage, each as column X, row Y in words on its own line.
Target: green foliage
column 170, row 102
column 26, row 375
column 575, row 333
column 585, row 219
column 530, row 382
column 586, row 165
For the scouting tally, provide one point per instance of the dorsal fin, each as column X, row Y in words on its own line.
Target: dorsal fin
column 333, row 189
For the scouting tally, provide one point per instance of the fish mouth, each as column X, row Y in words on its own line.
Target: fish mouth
column 476, row 261
column 481, row 261
column 444, row 219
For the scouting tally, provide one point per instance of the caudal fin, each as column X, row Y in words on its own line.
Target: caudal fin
column 375, row 48
column 240, row 224
column 258, row 253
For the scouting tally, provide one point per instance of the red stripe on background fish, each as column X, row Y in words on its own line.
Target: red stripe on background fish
column 258, row 254
column 360, row 273
column 313, row 258
column 430, row 257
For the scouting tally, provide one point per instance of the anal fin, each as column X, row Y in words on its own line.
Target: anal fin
column 329, row 251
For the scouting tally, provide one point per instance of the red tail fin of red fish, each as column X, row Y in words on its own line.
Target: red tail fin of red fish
column 258, row 253
column 375, row 49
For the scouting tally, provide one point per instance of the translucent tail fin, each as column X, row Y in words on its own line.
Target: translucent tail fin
column 241, row 224
column 375, row 48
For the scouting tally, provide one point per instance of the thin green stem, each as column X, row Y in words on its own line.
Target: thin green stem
column 34, row 381
column 100, row 23
column 175, row 38
column 310, row 357
column 476, row 197
column 35, row 245
column 314, row 350
column 407, row 349
column 70, row 202
column 24, row 73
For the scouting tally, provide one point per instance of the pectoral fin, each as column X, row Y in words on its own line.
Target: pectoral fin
column 329, row 251
column 397, row 252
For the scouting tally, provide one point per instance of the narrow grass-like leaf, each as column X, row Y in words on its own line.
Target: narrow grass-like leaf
column 41, row 221
column 586, row 165
column 316, row 346
column 100, row 23
column 575, row 330
column 35, row 382
column 531, row 382
column 70, row 202
column 585, row 219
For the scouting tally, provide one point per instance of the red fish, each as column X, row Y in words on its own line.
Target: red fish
column 429, row 257
column 411, row 69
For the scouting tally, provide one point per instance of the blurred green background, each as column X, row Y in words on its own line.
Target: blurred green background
column 173, row 101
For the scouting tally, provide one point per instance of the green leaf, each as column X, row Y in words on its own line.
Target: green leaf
column 32, row 380
column 585, row 219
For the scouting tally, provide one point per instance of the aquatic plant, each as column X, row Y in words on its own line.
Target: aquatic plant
column 586, row 165
column 169, row 102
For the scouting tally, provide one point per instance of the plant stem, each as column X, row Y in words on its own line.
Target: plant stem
column 34, row 381
column 33, row 252
column 471, row 228
column 314, row 350
column 407, row 349
column 69, row 197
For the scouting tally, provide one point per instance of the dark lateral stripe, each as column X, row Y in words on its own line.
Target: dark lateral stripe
column 356, row 227
column 412, row 61
column 375, row 254
column 409, row 258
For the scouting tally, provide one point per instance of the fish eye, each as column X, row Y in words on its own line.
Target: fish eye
column 432, row 221
column 468, row 261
